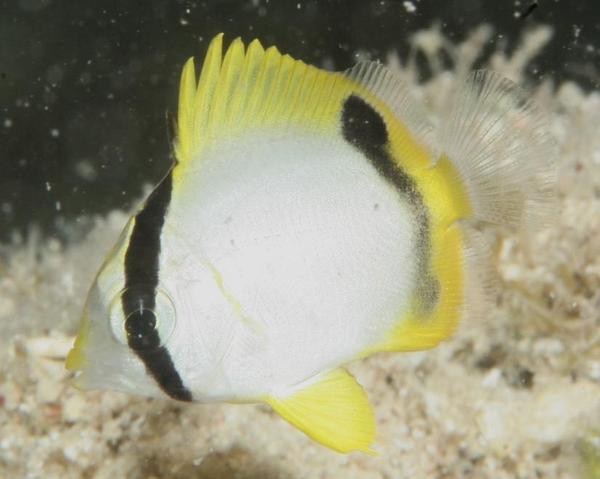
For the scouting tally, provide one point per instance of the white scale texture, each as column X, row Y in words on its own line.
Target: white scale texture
column 312, row 244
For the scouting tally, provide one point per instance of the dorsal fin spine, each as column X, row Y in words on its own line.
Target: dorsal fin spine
column 294, row 88
column 286, row 71
column 187, row 91
column 264, row 79
column 334, row 85
column 254, row 58
column 241, row 80
column 206, row 89
column 277, row 87
column 228, row 80
column 305, row 90
column 324, row 89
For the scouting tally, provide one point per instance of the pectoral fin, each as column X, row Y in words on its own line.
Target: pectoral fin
column 333, row 410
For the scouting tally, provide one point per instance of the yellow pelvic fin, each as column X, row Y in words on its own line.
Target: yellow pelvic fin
column 334, row 411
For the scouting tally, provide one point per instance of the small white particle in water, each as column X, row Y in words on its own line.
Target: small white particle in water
column 409, row 7
column 86, row 170
column 48, row 186
column 183, row 21
column 298, row 6
column 58, row 206
column 8, row 123
column 54, row 132
column 576, row 31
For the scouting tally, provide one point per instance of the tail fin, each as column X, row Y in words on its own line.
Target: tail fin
column 499, row 143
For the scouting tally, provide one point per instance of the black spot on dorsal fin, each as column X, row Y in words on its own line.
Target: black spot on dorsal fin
column 362, row 126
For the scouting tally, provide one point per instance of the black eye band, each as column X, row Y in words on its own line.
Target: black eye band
column 139, row 297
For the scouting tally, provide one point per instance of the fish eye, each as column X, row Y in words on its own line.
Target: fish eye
column 140, row 327
column 147, row 327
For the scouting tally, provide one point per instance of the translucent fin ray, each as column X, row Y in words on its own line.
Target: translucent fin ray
column 499, row 143
column 392, row 91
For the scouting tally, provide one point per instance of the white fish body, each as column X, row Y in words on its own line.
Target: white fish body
column 276, row 264
column 305, row 225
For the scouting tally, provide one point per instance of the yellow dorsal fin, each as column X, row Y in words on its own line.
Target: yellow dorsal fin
column 250, row 89
column 334, row 411
column 243, row 89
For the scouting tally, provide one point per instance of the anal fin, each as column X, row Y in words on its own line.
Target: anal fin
column 334, row 411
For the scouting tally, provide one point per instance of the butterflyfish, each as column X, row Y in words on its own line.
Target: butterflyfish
column 310, row 219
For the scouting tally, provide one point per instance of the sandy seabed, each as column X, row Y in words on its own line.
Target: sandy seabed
column 515, row 394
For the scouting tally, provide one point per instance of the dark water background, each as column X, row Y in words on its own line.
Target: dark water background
column 85, row 85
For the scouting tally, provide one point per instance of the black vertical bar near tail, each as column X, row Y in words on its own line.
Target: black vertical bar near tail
column 365, row 129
